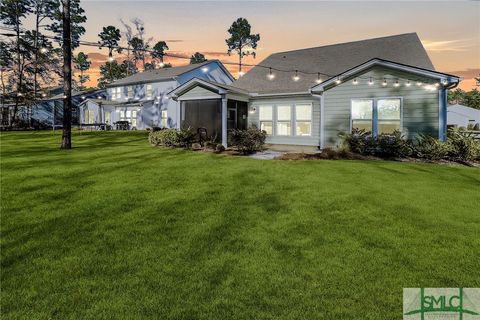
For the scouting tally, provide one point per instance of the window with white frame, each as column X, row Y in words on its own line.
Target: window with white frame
column 377, row 115
column 116, row 93
column 362, row 114
column 284, row 120
column 106, row 116
column 389, row 114
column 303, row 119
column 130, row 92
column 149, row 91
column 164, row 120
column 266, row 119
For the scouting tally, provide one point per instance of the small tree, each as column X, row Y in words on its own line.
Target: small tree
column 110, row 38
column 197, row 57
column 82, row 64
column 111, row 71
column 138, row 50
column 159, row 51
column 241, row 40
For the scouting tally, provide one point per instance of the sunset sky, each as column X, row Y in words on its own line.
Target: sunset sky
column 450, row 31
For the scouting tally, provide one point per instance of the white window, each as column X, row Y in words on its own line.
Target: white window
column 164, row 121
column 377, row 115
column 116, row 93
column 284, row 120
column 362, row 114
column 130, row 92
column 303, row 119
column 388, row 115
column 266, row 119
column 149, row 91
column 107, row 117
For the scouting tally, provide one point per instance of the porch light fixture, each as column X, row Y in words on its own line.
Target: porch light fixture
column 271, row 76
column 396, row 84
column 252, row 110
column 444, row 82
column 408, row 84
column 205, row 69
column 384, row 83
column 296, row 77
column 319, row 80
column 370, row 82
column 355, row 81
column 338, row 81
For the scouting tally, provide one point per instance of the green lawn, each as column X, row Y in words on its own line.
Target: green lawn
column 117, row 229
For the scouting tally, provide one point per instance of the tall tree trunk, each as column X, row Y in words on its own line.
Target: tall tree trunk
column 19, row 70
column 240, row 59
column 67, row 77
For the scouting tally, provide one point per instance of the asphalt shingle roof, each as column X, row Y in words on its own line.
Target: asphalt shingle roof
column 157, row 74
column 331, row 60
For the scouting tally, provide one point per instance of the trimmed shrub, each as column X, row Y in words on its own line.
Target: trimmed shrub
column 462, row 146
column 430, row 148
column 360, row 141
column 393, row 145
column 248, row 141
column 166, row 138
column 185, row 137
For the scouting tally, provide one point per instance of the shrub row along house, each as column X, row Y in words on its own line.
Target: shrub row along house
column 304, row 97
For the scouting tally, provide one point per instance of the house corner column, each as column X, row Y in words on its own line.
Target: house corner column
column 442, row 114
column 224, row 120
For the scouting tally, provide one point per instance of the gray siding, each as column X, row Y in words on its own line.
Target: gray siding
column 313, row 140
column 420, row 106
column 199, row 93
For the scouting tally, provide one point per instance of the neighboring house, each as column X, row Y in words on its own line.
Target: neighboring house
column 461, row 116
column 379, row 85
column 142, row 99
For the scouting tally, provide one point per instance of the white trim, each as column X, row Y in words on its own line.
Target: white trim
column 322, row 121
column 224, row 120
column 421, row 72
column 199, row 98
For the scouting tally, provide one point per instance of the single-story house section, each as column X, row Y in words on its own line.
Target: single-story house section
column 379, row 85
column 142, row 99
column 462, row 116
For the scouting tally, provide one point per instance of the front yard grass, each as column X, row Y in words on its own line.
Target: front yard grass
column 117, row 229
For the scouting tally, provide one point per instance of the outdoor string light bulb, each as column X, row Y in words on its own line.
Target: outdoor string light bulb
column 204, row 69
column 384, row 83
column 44, row 95
column 408, row 84
column 419, row 83
column 43, row 50
column 396, row 84
column 355, row 81
column 296, row 77
column 370, row 82
column 338, row 81
column 271, row 76
column 110, row 59
column 241, row 74
column 319, row 80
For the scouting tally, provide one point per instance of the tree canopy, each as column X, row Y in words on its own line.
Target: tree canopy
column 241, row 40
column 197, row 57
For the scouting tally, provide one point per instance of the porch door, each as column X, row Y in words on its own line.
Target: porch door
column 232, row 118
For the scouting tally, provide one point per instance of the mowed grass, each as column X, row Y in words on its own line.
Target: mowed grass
column 117, row 229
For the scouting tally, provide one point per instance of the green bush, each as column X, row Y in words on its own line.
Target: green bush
column 393, row 145
column 174, row 138
column 360, row 141
column 430, row 148
column 462, row 146
column 248, row 141
column 185, row 137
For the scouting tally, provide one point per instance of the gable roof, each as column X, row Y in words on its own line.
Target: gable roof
column 163, row 74
column 216, row 87
column 331, row 60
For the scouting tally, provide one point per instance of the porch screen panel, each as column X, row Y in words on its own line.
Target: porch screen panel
column 362, row 114
column 266, row 119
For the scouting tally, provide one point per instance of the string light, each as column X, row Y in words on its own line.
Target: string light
column 408, row 84
column 110, row 59
column 384, row 83
column 161, row 64
column 205, row 69
column 44, row 95
column 43, row 50
column 296, row 77
column 241, row 74
column 355, row 82
column 271, row 76
column 370, row 82
column 419, row 83
column 396, row 84
column 83, row 97
column 319, row 80
column 338, row 81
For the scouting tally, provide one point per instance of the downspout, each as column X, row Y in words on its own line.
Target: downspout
column 322, row 118
column 442, row 112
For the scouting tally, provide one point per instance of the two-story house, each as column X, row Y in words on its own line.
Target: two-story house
column 142, row 98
